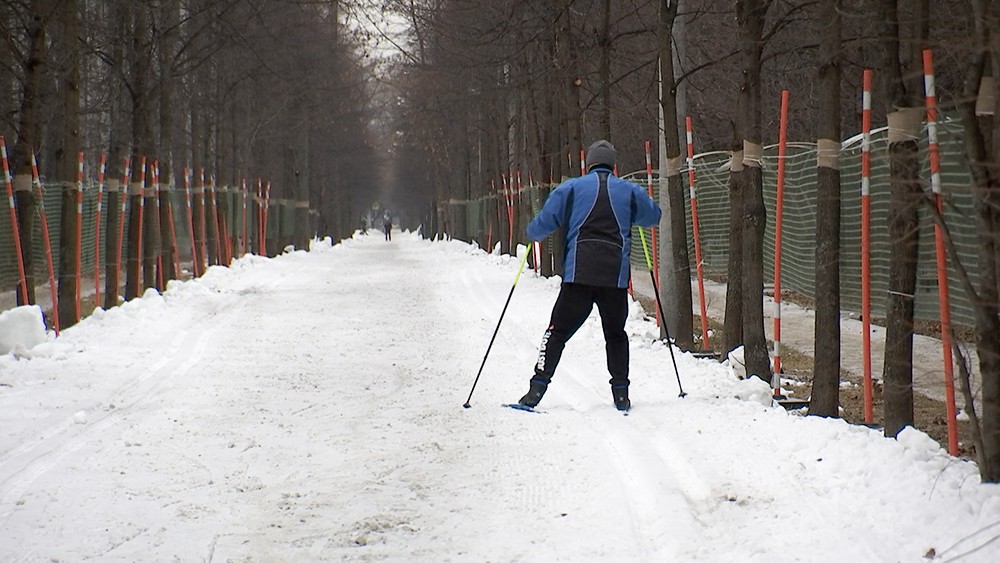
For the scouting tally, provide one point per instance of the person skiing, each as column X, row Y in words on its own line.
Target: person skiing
column 387, row 227
column 597, row 211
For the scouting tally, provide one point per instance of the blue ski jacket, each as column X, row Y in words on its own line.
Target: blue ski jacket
column 597, row 211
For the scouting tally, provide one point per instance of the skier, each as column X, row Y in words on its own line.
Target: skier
column 597, row 212
column 387, row 227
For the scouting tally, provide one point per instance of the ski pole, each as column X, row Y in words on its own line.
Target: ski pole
column 495, row 331
column 656, row 291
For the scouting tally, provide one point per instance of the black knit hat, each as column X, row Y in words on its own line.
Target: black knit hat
column 601, row 153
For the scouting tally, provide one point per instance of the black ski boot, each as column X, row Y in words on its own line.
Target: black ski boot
column 534, row 394
column 620, row 395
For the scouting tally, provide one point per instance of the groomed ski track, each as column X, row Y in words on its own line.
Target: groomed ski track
column 309, row 407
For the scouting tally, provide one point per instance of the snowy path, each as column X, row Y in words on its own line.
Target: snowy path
column 309, row 408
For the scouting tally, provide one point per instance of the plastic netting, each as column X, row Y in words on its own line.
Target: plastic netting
column 231, row 202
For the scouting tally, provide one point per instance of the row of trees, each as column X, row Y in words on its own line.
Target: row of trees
column 492, row 88
column 242, row 88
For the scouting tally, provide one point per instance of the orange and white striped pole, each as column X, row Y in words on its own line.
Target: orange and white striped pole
column 79, row 234
column 705, row 343
column 97, row 230
column 583, row 162
column 243, row 230
column 267, row 210
column 225, row 244
column 509, row 199
column 261, row 248
column 652, row 230
column 779, row 199
column 942, row 258
column 866, row 306
column 195, row 269
column 173, row 239
column 154, row 171
column 537, row 244
column 22, row 280
column 204, row 213
column 142, row 205
column 126, row 178
column 48, row 243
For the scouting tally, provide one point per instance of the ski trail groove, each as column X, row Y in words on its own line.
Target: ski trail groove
column 27, row 463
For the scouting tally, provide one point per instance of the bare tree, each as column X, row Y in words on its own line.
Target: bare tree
column 825, row 399
column 676, row 269
column 66, row 161
column 29, row 130
column 904, row 115
column 982, row 148
column 750, row 17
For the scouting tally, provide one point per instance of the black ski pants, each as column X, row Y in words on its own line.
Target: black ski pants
column 573, row 306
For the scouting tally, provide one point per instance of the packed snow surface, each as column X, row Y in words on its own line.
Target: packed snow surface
column 309, row 407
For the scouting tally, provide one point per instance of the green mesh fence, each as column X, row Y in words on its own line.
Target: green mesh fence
column 799, row 221
column 90, row 231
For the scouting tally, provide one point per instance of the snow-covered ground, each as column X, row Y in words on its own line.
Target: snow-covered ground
column 309, row 407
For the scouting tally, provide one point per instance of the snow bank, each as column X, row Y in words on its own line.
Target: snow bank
column 21, row 328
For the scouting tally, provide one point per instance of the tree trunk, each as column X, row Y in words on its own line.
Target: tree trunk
column 906, row 197
column 675, row 271
column 171, row 19
column 825, row 399
column 604, row 122
column 29, row 135
column 986, row 197
column 67, row 166
column 733, row 322
column 750, row 17
column 118, row 151
column 141, row 261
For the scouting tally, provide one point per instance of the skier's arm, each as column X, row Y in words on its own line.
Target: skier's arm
column 550, row 217
column 647, row 212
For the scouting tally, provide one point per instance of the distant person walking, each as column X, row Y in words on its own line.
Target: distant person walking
column 597, row 212
column 387, row 227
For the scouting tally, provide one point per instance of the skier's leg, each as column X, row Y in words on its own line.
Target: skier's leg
column 612, row 304
column 570, row 311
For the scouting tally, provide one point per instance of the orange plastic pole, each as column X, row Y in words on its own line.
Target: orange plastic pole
column 537, row 258
column 48, row 243
column 267, row 209
column 509, row 198
column 97, row 230
column 243, row 240
column 705, row 343
column 782, row 141
column 142, row 205
column 219, row 257
column 261, row 246
column 520, row 190
column 201, row 216
column 226, row 251
column 22, row 278
column 652, row 230
column 942, row 258
column 583, row 162
column 195, row 271
column 866, row 308
column 79, row 233
column 173, row 239
column 155, row 173
column 126, row 178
